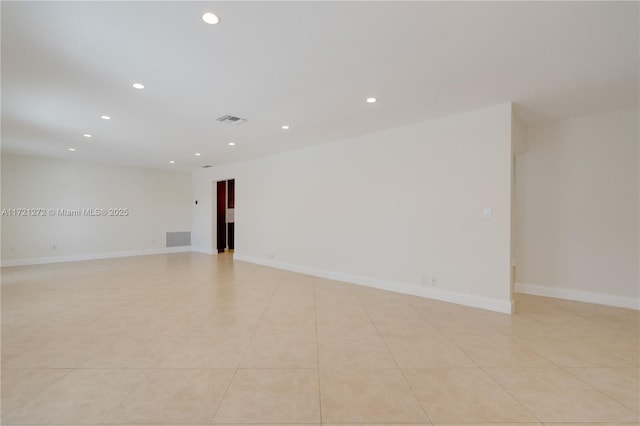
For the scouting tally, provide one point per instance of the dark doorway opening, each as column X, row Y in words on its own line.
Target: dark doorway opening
column 225, row 217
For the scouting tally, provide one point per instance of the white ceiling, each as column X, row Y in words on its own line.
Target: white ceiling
column 307, row 64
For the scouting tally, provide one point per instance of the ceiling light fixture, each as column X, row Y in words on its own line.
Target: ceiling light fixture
column 231, row 144
column 197, row 154
column 210, row 18
column 371, row 100
column 172, row 162
column 87, row 135
column 284, row 127
column 138, row 86
column 105, row 117
column 72, row 149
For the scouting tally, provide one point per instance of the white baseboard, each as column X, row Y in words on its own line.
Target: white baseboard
column 427, row 292
column 578, row 295
column 204, row 250
column 93, row 256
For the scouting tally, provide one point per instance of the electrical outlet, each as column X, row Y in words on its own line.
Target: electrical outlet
column 54, row 247
column 434, row 282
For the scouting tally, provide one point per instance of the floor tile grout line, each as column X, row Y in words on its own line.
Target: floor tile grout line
column 395, row 361
column 23, row 400
column 510, row 394
column 565, row 369
column 235, row 372
column 106, row 417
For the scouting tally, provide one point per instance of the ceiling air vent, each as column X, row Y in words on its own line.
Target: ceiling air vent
column 231, row 119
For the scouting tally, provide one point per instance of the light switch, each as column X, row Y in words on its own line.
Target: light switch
column 486, row 213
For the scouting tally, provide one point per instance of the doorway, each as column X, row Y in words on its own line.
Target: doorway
column 225, row 214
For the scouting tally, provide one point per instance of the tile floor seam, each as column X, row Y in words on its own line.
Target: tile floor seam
column 24, row 399
column 415, row 395
column 235, row 372
column 128, row 394
column 555, row 364
column 511, row 395
column 566, row 370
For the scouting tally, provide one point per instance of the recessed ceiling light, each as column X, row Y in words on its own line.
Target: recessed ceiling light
column 72, row 149
column 371, row 100
column 138, row 86
column 284, row 127
column 231, row 144
column 172, row 162
column 105, row 117
column 210, row 18
column 197, row 154
column 87, row 135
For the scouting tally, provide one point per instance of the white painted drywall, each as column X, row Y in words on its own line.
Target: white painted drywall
column 518, row 146
column 158, row 202
column 394, row 207
column 577, row 196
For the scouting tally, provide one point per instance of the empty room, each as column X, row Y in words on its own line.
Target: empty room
column 320, row 213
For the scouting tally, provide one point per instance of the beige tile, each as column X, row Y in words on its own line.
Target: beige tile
column 292, row 325
column 591, row 424
column 464, row 395
column 620, row 384
column 54, row 351
column 629, row 322
column 20, row 384
column 133, row 352
column 221, row 329
column 281, row 350
column 553, row 395
column 341, row 320
column 422, row 352
column 361, row 352
column 271, row 396
column 570, row 351
column 189, row 310
column 361, row 396
column 499, row 351
column 489, row 424
column 625, row 345
column 80, row 397
column 346, row 328
column 207, row 352
column 392, row 320
column 180, row 396
column 376, row 424
column 463, row 324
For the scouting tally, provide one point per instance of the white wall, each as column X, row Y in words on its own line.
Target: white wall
column 577, row 195
column 158, row 202
column 518, row 146
column 389, row 209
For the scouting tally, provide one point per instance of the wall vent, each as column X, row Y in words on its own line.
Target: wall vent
column 178, row 239
column 231, row 119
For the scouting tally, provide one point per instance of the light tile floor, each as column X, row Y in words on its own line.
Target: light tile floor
column 196, row 339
